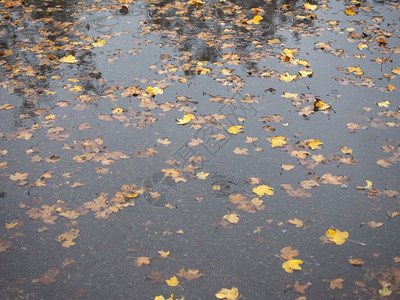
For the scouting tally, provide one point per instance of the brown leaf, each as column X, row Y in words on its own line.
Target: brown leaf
column 336, row 284
column 50, row 276
column 142, row 260
column 155, row 277
column 189, row 274
column 301, row 289
column 288, row 252
column 4, row 245
column 356, row 261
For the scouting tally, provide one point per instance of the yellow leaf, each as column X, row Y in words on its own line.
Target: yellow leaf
column 118, row 110
column 289, row 95
column 310, row 6
column 321, row 105
column 302, row 62
column 305, row 73
column 163, row 254
column 292, row 264
column 76, row 89
column 263, row 189
column 187, row 118
column 235, row 129
column 256, row 20
column 350, row 11
column 232, row 218
column 70, row 59
column 70, row 214
column 346, row 150
column 396, row 71
column 131, row 195
column 355, row 70
column 337, row 236
column 14, row 223
column 369, row 185
column 384, row 103
column 287, row 77
column 202, row 175
column 196, row 2
column 228, row 294
column 314, row 144
column 201, row 70
column 278, row 141
column 391, row 87
column 361, row 46
column 99, row 43
column 7, row 106
column 385, row 291
column 173, row 281
column 50, row 117
column 73, row 80
column 154, row 91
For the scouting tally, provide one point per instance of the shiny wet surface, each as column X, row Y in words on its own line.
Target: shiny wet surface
column 76, row 146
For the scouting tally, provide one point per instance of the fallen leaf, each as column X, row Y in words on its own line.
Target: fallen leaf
column 292, row 264
column 70, row 59
column 187, row 118
column 310, row 6
column 173, row 281
column 314, row 144
column 368, row 186
column 256, row 20
column 337, row 236
column 235, row 129
column 100, row 43
column 50, row 276
column 243, row 151
column 350, row 11
column 202, row 175
column 263, row 189
column 356, row 261
column 232, row 218
column 296, row 222
column 336, row 284
column 374, row 224
column 154, row 91
column 287, row 167
column 346, row 150
column 278, row 141
column 142, row 260
column 289, row 253
column 286, row 77
column 228, row 294
column 163, row 254
column 189, row 274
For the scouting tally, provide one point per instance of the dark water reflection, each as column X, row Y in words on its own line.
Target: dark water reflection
column 80, row 139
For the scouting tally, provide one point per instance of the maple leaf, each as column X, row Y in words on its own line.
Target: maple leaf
column 346, row 150
column 355, row 70
column 356, row 261
column 154, row 91
column 292, row 264
column 396, row 71
column 100, row 43
column 19, row 176
column 278, row 141
column 384, row 103
column 187, row 118
column 287, row 77
column 336, row 284
column 287, row 167
column 235, row 129
column 256, row 20
column 196, row 3
column 305, row 73
column 232, row 218
column 288, row 252
column 391, row 87
column 320, row 105
column 309, row 6
column 296, row 222
column 70, row 214
column 337, row 236
column 228, row 294
column 67, row 238
column 263, row 189
column 163, row 254
column 70, row 59
column 314, row 144
column 368, row 186
column 243, row 151
column 142, row 260
column 350, row 11
column 385, row 291
column 173, row 281
column 189, row 274
column 155, row 277
column 202, row 175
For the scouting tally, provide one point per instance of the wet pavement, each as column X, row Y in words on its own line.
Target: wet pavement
column 152, row 148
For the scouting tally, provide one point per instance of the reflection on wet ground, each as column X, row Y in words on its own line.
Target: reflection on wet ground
column 217, row 149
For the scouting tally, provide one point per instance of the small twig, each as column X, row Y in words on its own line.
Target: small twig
column 277, row 256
